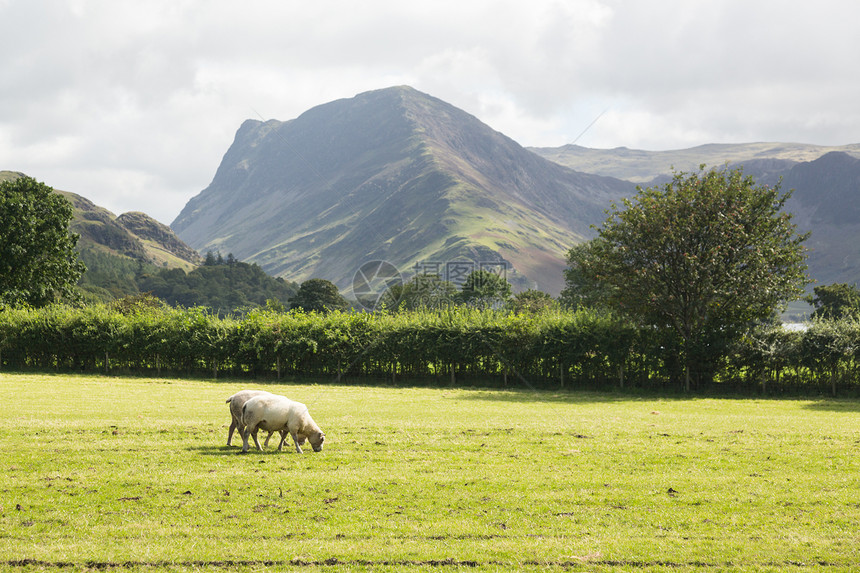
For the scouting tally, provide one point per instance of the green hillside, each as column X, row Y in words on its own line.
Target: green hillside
column 133, row 235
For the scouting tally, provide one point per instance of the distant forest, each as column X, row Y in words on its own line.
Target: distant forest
column 225, row 285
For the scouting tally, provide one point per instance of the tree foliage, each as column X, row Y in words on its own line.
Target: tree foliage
column 318, row 295
column 226, row 286
column 109, row 277
column 584, row 290
column 531, row 300
column 38, row 261
column 423, row 291
column 484, row 289
column 838, row 300
column 701, row 259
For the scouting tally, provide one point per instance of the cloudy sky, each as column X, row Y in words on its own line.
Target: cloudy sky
column 132, row 104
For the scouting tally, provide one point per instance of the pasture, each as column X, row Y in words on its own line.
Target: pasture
column 134, row 474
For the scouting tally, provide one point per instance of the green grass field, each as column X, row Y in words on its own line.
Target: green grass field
column 134, row 474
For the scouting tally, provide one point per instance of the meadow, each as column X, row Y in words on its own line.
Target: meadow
column 134, row 474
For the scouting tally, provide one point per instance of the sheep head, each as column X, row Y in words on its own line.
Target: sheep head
column 316, row 439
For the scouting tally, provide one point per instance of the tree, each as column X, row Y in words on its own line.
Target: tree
column 531, row 301
column 423, row 291
column 38, row 261
column 137, row 303
column 702, row 259
column 836, row 301
column 485, row 289
column 582, row 290
column 318, row 295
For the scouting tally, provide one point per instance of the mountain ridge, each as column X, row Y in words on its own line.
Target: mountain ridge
column 642, row 166
column 134, row 235
column 396, row 175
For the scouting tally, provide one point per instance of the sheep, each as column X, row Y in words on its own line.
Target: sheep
column 236, row 402
column 277, row 413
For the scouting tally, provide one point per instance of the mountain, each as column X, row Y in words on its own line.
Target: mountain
column 394, row 175
column 134, row 235
column 826, row 201
column 10, row 175
column 825, row 184
column 640, row 166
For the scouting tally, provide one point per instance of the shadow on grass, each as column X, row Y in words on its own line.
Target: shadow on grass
column 564, row 396
column 226, row 451
column 584, row 396
column 847, row 405
column 222, row 450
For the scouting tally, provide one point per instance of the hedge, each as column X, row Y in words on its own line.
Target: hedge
column 552, row 349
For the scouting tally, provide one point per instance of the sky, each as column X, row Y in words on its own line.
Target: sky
column 133, row 104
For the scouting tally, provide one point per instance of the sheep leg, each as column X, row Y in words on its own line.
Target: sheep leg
column 245, row 433
column 256, row 441
column 266, row 443
column 283, row 440
column 296, row 442
column 232, row 429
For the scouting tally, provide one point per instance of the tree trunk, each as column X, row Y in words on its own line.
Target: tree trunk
column 833, row 375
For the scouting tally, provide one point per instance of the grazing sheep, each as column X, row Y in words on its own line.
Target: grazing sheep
column 236, row 402
column 279, row 414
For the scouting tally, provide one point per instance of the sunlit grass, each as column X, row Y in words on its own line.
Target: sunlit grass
column 136, row 472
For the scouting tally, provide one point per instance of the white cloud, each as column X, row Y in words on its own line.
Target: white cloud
column 133, row 104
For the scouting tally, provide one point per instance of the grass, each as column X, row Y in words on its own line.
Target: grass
column 135, row 474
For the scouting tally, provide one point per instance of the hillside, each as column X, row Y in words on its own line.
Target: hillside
column 134, row 235
column 826, row 201
column 395, row 175
column 640, row 166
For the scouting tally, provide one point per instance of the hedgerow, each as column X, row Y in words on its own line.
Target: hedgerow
column 462, row 346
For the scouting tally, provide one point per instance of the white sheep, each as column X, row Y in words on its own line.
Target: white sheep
column 236, row 402
column 279, row 414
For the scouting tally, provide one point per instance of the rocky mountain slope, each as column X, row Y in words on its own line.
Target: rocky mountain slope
column 134, row 235
column 826, row 202
column 393, row 175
